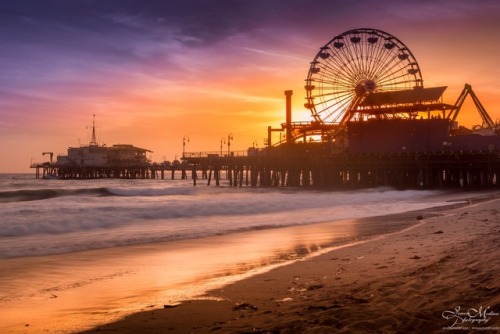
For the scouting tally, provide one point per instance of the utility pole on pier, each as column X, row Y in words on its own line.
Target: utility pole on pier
column 184, row 145
column 222, row 141
column 229, row 138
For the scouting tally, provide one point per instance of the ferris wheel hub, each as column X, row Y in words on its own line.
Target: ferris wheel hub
column 364, row 87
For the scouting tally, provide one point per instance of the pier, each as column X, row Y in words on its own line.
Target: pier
column 48, row 170
column 366, row 131
column 308, row 166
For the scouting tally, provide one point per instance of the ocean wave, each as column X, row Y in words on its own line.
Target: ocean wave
column 41, row 194
column 138, row 214
column 151, row 192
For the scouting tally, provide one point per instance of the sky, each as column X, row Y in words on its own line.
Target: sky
column 157, row 73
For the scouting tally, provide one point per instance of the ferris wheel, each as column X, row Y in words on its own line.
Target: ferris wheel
column 353, row 65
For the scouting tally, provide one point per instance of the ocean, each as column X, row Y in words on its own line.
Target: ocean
column 46, row 217
column 78, row 253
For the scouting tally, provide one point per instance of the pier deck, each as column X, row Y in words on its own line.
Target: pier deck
column 142, row 171
column 307, row 165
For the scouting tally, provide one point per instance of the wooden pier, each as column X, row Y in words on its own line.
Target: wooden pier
column 143, row 171
column 307, row 165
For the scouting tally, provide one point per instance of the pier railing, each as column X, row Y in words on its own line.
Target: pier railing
column 215, row 154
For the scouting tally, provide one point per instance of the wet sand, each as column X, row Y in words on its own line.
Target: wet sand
column 438, row 275
column 71, row 292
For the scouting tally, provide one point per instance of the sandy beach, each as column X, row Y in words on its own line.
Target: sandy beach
column 416, row 271
column 439, row 275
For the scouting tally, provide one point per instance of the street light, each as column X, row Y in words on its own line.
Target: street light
column 229, row 138
column 222, row 141
column 184, row 144
column 255, row 144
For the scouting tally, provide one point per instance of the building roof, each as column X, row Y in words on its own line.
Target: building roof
column 128, row 147
column 411, row 96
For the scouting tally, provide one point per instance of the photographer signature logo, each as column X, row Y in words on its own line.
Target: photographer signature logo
column 471, row 318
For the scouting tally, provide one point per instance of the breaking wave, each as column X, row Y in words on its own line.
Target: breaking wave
column 41, row 194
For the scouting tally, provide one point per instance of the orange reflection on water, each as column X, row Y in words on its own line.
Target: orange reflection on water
column 79, row 290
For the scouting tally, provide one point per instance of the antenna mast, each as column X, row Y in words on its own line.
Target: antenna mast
column 93, row 141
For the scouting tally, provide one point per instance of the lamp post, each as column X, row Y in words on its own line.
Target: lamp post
column 255, row 144
column 184, row 144
column 229, row 138
column 222, row 141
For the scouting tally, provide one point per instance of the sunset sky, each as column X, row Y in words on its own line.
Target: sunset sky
column 154, row 71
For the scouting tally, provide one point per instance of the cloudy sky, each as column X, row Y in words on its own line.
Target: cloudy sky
column 156, row 71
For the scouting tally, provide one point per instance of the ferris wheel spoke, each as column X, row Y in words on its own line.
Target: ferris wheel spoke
column 373, row 56
column 342, row 79
column 378, row 61
column 338, row 62
column 346, row 104
column 384, row 61
column 398, row 82
column 332, row 85
column 401, row 68
column 334, row 74
column 336, row 94
column 368, row 49
column 333, row 70
column 397, row 76
column 362, row 58
column 387, row 56
column 346, row 59
column 387, row 67
column 338, row 108
column 331, row 91
column 330, row 111
column 346, row 82
column 333, row 101
column 394, row 76
column 326, row 114
column 353, row 59
column 379, row 64
column 357, row 51
column 389, row 71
